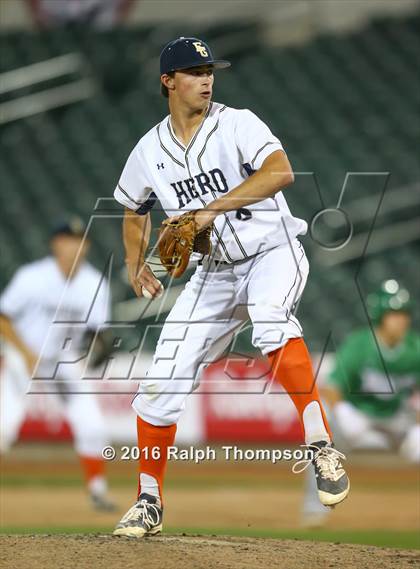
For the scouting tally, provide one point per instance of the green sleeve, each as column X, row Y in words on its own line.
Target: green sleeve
column 348, row 364
column 415, row 341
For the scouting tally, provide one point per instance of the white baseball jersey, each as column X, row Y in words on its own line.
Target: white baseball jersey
column 229, row 146
column 47, row 309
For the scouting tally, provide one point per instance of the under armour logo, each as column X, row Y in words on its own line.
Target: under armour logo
column 160, row 166
column 199, row 47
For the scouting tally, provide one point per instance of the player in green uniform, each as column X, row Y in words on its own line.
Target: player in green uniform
column 374, row 387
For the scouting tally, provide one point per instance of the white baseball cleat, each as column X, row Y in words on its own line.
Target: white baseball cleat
column 331, row 478
column 142, row 519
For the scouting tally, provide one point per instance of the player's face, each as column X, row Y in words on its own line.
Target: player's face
column 194, row 87
column 394, row 325
column 69, row 251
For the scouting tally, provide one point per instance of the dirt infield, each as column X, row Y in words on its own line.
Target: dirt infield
column 192, row 552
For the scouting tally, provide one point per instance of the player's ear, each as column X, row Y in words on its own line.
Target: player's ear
column 167, row 80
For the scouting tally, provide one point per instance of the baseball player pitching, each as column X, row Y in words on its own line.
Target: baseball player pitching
column 45, row 312
column 218, row 173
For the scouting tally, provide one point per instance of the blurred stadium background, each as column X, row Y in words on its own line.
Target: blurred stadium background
column 339, row 82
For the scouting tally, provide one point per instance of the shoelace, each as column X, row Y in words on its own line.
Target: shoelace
column 144, row 512
column 327, row 459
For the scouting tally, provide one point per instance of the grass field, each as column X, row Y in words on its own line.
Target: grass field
column 378, row 538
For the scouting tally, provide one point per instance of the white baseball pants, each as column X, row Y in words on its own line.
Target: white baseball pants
column 215, row 303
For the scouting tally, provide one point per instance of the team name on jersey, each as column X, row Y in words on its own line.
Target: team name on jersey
column 200, row 185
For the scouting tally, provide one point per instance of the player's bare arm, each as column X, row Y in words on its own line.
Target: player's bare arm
column 10, row 335
column 136, row 236
column 274, row 175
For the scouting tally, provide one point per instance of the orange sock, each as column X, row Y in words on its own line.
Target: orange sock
column 291, row 366
column 92, row 467
column 152, row 462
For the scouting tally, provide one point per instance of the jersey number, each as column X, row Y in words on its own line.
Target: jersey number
column 243, row 214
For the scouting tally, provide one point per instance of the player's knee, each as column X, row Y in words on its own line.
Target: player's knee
column 90, row 444
column 150, row 388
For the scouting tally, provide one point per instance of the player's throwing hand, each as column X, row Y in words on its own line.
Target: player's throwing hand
column 141, row 275
column 203, row 218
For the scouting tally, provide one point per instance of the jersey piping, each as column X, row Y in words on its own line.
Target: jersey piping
column 128, row 196
column 166, row 150
column 228, row 222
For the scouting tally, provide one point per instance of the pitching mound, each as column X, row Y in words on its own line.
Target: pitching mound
column 192, row 552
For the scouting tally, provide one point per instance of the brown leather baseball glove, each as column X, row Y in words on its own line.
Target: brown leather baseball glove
column 179, row 239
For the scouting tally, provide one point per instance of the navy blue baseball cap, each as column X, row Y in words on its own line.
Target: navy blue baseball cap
column 184, row 53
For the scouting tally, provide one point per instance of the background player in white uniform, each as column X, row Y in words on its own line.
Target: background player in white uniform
column 48, row 307
column 227, row 164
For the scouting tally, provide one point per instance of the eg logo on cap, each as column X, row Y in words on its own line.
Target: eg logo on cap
column 200, row 48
